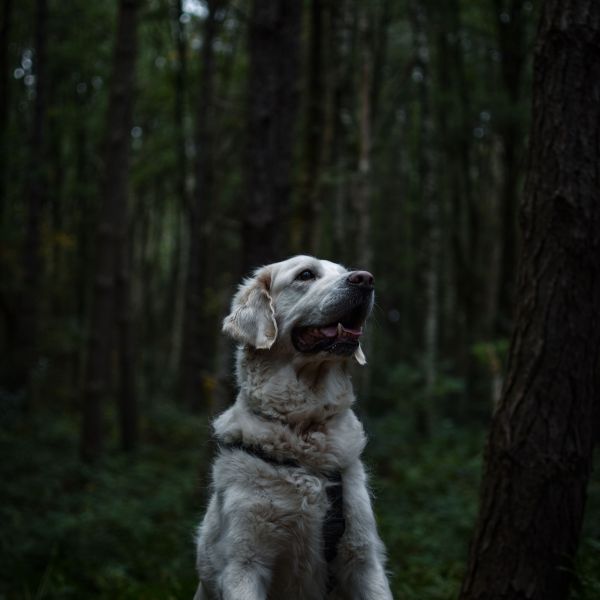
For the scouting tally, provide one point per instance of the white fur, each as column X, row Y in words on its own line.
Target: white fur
column 261, row 537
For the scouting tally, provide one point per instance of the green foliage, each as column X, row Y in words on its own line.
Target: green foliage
column 426, row 497
column 124, row 529
column 587, row 567
column 121, row 530
column 491, row 354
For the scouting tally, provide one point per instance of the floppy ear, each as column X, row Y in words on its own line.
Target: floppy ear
column 252, row 317
column 359, row 356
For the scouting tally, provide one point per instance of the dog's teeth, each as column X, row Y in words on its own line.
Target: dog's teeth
column 340, row 329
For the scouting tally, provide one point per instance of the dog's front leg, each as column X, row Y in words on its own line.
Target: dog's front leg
column 200, row 592
column 361, row 556
column 251, row 538
column 243, row 581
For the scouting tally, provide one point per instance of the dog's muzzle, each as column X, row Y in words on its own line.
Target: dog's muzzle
column 341, row 328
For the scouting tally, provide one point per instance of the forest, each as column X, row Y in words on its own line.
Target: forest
column 154, row 152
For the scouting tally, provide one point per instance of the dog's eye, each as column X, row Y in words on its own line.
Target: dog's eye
column 305, row 275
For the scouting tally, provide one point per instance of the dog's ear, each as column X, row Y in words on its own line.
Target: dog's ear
column 359, row 356
column 252, row 317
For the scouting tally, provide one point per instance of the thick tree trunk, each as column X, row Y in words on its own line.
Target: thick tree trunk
column 540, row 447
column 194, row 338
column 111, row 229
column 272, row 106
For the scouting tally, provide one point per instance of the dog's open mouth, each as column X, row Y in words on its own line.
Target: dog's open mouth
column 340, row 336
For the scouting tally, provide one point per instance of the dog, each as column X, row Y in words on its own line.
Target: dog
column 290, row 515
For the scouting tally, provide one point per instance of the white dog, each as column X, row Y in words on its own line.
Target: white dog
column 290, row 516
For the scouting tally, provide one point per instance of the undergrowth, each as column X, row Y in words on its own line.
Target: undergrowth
column 123, row 529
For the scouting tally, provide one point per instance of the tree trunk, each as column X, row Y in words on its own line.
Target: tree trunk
column 539, row 451
column 363, row 193
column 111, row 229
column 179, row 104
column 30, row 303
column 175, row 296
column 430, row 199
column 194, row 341
column 314, row 133
column 127, row 397
column 511, row 42
column 274, row 40
column 337, row 86
column 454, row 123
column 5, row 29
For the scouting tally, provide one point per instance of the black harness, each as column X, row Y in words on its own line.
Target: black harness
column 334, row 523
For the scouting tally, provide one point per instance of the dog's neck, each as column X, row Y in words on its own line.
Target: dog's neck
column 296, row 411
column 301, row 393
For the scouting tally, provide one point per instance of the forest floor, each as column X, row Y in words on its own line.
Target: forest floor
column 124, row 528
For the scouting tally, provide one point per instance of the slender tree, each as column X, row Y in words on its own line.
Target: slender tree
column 179, row 101
column 126, row 394
column 464, row 207
column 511, row 29
column 5, row 30
column 30, row 305
column 310, row 199
column 539, row 451
column 274, row 40
column 431, row 209
column 363, row 192
column 111, row 232
column 193, row 356
column 174, row 301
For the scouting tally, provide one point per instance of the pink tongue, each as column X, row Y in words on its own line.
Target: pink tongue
column 332, row 331
column 329, row 331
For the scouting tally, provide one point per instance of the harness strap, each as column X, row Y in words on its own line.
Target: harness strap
column 258, row 452
column 334, row 523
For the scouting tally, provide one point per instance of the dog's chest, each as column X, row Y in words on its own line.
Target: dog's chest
column 310, row 509
column 301, row 570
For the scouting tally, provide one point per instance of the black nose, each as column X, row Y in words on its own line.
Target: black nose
column 362, row 279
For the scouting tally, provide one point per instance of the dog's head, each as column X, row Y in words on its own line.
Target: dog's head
column 305, row 306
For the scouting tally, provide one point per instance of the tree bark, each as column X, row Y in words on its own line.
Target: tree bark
column 539, row 451
column 111, row 229
column 274, row 40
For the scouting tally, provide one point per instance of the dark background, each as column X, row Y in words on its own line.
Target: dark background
column 151, row 154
